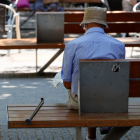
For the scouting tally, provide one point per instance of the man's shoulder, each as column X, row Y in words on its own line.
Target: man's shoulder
column 75, row 42
column 114, row 41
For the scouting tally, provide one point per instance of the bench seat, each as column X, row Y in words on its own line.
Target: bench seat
column 59, row 115
column 32, row 43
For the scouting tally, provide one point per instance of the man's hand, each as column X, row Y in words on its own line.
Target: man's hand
column 67, row 85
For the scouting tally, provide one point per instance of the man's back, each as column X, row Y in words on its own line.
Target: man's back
column 93, row 45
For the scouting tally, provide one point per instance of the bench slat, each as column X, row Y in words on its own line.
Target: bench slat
column 113, row 28
column 25, row 115
column 131, row 121
column 40, row 124
column 71, row 118
column 34, row 105
column 31, row 43
column 134, row 89
column 114, row 16
column 40, row 111
column 42, row 108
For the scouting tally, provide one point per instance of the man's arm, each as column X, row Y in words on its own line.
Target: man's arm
column 66, row 72
column 67, row 85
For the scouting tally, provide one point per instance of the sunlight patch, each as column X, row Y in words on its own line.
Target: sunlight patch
column 4, row 83
column 8, row 86
column 3, row 96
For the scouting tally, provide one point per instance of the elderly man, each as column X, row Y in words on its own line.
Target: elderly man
column 95, row 44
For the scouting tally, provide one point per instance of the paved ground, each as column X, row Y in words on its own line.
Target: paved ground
column 30, row 90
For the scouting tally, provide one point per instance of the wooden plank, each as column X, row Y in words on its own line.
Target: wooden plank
column 42, row 108
column 52, row 105
column 38, row 115
column 50, row 124
column 113, row 28
column 123, row 27
column 134, row 89
column 41, row 111
column 122, row 16
column 89, row 120
column 112, row 16
column 134, row 86
column 34, row 105
column 71, row 114
column 134, row 69
column 122, row 122
column 71, row 119
column 31, row 43
column 74, row 17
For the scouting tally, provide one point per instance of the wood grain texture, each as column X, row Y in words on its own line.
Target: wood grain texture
column 134, row 69
column 113, row 28
column 71, row 118
column 42, row 108
column 32, row 44
column 34, row 105
column 112, row 16
column 134, row 89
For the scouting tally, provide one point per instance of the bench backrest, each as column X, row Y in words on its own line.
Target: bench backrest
column 102, row 90
column 47, row 23
column 118, row 22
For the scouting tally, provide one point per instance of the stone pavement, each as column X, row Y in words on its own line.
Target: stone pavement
column 29, row 91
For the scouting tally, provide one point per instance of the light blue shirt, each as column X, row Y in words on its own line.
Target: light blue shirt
column 95, row 44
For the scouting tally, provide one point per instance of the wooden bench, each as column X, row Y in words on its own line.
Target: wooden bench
column 59, row 115
column 32, row 44
column 118, row 22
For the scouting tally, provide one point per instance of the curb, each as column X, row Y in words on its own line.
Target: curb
column 27, row 75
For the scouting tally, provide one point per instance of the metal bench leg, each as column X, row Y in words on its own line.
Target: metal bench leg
column 27, row 19
column 116, row 133
column 50, row 61
column 78, row 133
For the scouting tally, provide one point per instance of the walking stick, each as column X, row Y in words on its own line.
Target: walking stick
column 28, row 121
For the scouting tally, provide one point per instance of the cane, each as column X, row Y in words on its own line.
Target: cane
column 28, row 121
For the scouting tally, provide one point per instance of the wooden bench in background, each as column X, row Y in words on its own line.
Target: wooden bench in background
column 59, row 115
column 118, row 22
column 31, row 43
